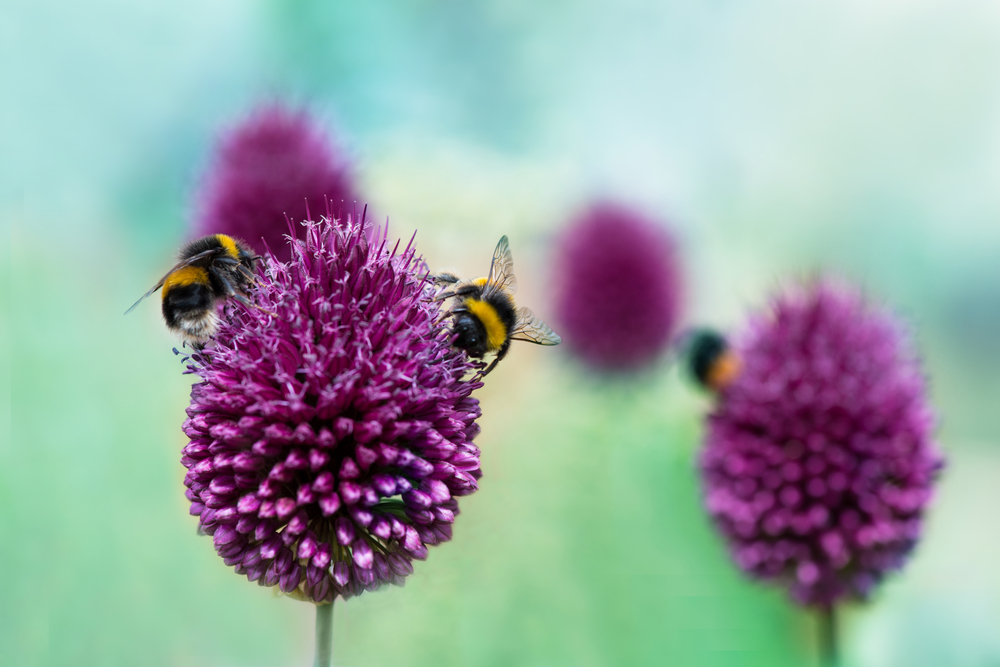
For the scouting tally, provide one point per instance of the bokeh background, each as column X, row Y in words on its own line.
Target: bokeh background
column 778, row 138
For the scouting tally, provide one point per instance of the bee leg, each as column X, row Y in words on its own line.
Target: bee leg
column 250, row 304
column 501, row 353
column 442, row 296
column 444, row 316
column 238, row 268
column 250, row 276
column 461, row 291
column 442, row 279
column 231, row 292
column 227, row 286
column 446, row 278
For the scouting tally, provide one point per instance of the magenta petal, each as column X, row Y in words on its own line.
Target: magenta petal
column 349, row 469
column 248, row 504
column 322, row 557
column 317, row 459
column 344, row 528
column 384, row 484
column 269, row 548
column 366, row 457
column 362, row 552
column 350, row 492
column 307, row 547
column 341, row 573
column 381, row 527
column 290, row 581
column 285, row 507
column 329, row 504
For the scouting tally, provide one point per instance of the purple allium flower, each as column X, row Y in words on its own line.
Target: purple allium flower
column 278, row 163
column 819, row 460
column 618, row 291
column 330, row 440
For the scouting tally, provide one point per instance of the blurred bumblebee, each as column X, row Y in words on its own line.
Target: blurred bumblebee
column 711, row 360
column 209, row 269
column 485, row 317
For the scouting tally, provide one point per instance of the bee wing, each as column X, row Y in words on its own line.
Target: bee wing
column 502, row 270
column 531, row 329
column 180, row 265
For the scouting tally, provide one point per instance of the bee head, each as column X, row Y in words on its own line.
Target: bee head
column 248, row 258
column 470, row 335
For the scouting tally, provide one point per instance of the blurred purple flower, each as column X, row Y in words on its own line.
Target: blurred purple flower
column 819, row 460
column 618, row 291
column 328, row 443
column 278, row 163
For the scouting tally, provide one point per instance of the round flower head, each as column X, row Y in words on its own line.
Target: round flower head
column 278, row 163
column 331, row 432
column 819, row 460
column 617, row 288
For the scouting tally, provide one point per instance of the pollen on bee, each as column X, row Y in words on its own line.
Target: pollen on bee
column 723, row 371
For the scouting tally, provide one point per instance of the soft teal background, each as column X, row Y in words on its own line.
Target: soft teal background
column 779, row 138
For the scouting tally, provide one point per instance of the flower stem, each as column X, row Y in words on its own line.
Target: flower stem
column 324, row 635
column 828, row 637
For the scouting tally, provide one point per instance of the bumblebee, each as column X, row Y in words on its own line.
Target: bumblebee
column 711, row 361
column 485, row 317
column 209, row 270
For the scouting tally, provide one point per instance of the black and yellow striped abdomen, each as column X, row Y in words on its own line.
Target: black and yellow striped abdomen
column 484, row 323
column 494, row 326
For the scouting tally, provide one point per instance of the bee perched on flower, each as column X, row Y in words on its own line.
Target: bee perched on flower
column 210, row 270
column 331, row 433
column 485, row 318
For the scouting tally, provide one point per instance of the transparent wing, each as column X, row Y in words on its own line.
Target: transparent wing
column 532, row 330
column 180, row 265
column 502, row 270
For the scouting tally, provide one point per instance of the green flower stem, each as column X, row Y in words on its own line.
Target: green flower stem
column 828, row 637
column 324, row 635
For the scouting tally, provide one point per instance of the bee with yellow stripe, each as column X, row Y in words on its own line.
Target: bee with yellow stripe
column 209, row 269
column 485, row 317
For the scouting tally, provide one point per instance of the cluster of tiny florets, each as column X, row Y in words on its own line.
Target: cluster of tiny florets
column 819, row 460
column 277, row 166
column 331, row 433
column 618, row 292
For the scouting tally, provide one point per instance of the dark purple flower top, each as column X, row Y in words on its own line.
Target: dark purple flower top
column 819, row 459
column 330, row 440
column 618, row 292
column 278, row 163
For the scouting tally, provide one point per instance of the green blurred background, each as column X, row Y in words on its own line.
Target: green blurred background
column 778, row 139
